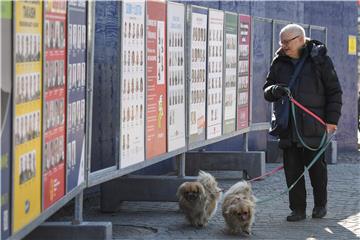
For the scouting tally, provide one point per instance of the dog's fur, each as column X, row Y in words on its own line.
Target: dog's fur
column 238, row 208
column 198, row 200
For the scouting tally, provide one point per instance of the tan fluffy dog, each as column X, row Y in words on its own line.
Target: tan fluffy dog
column 198, row 200
column 238, row 208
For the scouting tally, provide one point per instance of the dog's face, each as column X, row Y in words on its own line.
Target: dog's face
column 191, row 191
column 242, row 210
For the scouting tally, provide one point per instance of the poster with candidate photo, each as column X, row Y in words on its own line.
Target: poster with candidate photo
column 176, row 76
column 243, row 85
column 6, row 115
column 27, row 115
column 197, row 71
column 230, row 43
column 215, row 74
column 156, row 79
column 76, row 92
column 133, row 84
column 54, row 99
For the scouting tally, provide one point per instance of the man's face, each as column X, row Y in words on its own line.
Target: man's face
column 291, row 43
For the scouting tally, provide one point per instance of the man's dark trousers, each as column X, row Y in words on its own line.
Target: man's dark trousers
column 295, row 158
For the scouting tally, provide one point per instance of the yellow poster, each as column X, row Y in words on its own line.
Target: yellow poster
column 28, row 114
column 352, row 45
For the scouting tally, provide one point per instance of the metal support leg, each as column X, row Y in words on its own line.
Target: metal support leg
column 246, row 142
column 78, row 213
column 181, row 165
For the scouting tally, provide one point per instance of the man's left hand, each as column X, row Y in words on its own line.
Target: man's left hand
column 330, row 128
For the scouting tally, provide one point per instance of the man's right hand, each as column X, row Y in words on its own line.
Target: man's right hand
column 278, row 91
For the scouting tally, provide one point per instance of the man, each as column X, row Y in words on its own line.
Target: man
column 318, row 89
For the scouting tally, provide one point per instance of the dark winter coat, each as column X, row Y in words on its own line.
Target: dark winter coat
column 318, row 89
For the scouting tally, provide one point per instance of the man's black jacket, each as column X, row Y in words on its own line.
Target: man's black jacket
column 318, row 89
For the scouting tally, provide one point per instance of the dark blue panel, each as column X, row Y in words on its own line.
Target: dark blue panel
column 262, row 56
column 106, row 84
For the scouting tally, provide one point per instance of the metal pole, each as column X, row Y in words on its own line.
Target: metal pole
column 181, row 164
column 246, row 141
column 78, row 212
column 89, row 93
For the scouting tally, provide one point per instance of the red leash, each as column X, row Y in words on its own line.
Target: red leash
column 272, row 172
column 307, row 111
column 267, row 174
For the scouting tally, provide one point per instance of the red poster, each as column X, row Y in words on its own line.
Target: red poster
column 243, row 88
column 54, row 102
column 156, row 80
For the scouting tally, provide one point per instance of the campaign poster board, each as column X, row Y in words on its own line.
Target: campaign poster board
column 230, row 42
column 133, row 84
column 215, row 74
column 243, row 87
column 54, row 96
column 197, row 71
column 156, row 98
column 176, row 76
column 76, row 93
column 27, row 106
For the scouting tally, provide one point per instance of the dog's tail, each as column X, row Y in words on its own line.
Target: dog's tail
column 209, row 182
column 242, row 187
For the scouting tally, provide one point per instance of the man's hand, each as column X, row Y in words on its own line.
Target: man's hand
column 278, row 91
column 330, row 128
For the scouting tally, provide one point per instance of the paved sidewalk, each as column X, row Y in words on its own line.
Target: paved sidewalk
column 154, row 220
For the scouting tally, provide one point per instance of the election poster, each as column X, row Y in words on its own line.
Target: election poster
column 176, row 76
column 156, row 98
column 133, row 83
column 243, row 86
column 197, row 71
column 229, row 122
column 76, row 93
column 54, row 96
column 27, row 102
column 215, row 74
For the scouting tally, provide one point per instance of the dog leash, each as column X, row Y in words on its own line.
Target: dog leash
column 322, row 147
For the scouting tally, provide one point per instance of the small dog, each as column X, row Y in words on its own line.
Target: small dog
column 238, row 208
column 198, row 200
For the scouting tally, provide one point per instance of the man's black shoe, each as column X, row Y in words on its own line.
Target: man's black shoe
column 319, row 212
column 296, row 216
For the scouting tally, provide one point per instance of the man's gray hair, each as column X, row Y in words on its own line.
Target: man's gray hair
column 293, row 28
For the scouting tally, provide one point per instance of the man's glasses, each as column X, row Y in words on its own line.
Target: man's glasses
column 286, row 42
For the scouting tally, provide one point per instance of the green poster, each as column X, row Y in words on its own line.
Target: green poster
column 230, row 23
column 230, row 73
column 5, row 7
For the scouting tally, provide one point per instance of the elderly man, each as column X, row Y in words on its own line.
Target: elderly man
column 317, row 88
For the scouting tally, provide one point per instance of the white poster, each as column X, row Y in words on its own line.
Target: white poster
column 215, row 74
column 176, row 76
column 198, row 77
column 230, row 81
column 133, row 83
